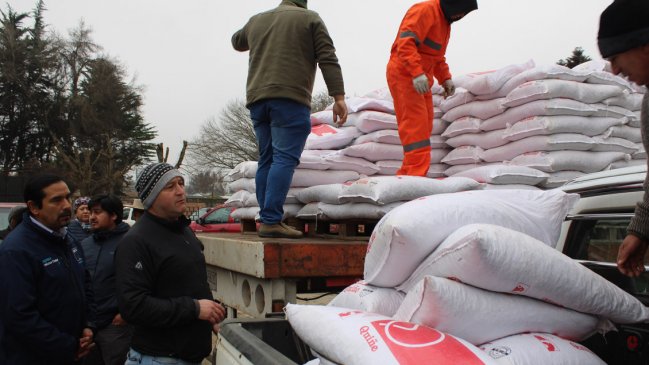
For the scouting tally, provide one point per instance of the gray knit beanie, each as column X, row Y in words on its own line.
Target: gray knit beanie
column 152, row 180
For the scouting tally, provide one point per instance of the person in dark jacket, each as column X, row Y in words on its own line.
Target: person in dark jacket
column 43, row 306
column 623, row 39
column 15, row 217
column 113, row 334
column 79, row 227
column 162, row 279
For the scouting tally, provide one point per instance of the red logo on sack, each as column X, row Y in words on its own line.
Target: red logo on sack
column 371, row 241
column 579, row 347
column 547, row 343
column 520, row 288
column 413, row 344
column 323, row 129
column 352, row 289
column 347, row 314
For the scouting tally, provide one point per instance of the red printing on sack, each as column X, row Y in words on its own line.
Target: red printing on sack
column 413, row 344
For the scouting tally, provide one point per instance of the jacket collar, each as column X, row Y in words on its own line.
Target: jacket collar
column 293, row 3
column 38, row 227
column 176, row 226
column 121, row 228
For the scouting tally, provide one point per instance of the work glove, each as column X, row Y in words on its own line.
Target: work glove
column 421, row 84
column 449, row 88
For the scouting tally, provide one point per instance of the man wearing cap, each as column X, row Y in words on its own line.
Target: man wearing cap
column 286, row 44
column 418, row 54
column 138, row 209
column 162, row 287
column 623, row 39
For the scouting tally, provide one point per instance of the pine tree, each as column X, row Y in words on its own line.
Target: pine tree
column 578, row 57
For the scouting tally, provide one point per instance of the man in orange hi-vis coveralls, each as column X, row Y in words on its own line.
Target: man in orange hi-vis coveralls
column 417, row 55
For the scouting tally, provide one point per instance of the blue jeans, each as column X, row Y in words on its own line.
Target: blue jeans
column 135, row 358
column 282, row 127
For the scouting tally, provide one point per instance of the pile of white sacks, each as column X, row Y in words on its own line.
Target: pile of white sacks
column 473, row 271
column 376, row 141
column 364, row 198
column 563, row 122
column 523, row 126
column 349, row 172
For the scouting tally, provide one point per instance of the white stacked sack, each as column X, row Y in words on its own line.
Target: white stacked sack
column 352, row 337
column 368, row 298
column 480, row 316
column 411, row 232
column 560, row 121
column 373, row 197
column 507, row 261
column 539, row 348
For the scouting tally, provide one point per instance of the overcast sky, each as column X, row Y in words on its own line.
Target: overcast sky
column 180, row 51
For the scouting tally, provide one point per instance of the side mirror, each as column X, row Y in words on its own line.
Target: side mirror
column 201, row 221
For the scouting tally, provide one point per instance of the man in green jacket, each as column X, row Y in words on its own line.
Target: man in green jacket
column 286, row 44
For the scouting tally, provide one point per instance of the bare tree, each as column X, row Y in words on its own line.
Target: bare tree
column 163, row 155
column 206, row 182
column 225, row 142
column 320, row 101
column 228, row 140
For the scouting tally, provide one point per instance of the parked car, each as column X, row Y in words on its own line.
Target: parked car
column 217, row 219
column 199, row 213
column 592, row 234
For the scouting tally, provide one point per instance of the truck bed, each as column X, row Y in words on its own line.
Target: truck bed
column 259, row 276
column 260, row 342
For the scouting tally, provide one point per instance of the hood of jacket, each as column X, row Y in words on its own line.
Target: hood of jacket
column 300, row 3
column 455, row 10
column 104, row 235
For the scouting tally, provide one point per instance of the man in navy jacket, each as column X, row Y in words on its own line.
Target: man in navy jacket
column 44, row 285
column 113, row 334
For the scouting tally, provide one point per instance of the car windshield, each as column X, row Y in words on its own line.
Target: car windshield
column 218, row 216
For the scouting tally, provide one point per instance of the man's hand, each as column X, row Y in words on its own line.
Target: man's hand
column 118, row 320
column 216, row 328
column 449, row 88
column 421, row 84
column 630, row 257
column 211, row 311
column 85, row 344
column 340, row 110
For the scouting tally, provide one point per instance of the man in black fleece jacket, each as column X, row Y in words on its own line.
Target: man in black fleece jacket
column 161, row 277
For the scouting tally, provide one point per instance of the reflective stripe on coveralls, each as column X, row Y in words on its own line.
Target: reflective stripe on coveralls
column 416, row 145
